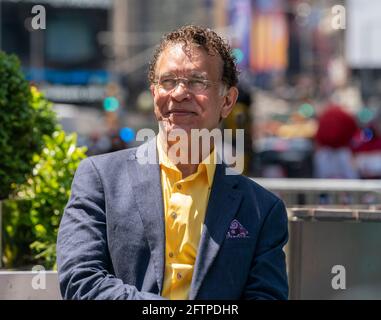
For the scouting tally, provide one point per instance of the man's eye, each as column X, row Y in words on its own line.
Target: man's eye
column 168, row 83
column 196, row 83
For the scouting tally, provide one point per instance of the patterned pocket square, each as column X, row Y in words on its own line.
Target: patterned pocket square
column 237, row 230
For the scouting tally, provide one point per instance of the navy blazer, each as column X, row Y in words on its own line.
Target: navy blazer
column 111, row 240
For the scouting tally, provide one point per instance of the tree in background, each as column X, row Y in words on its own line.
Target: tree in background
column 37, row 165
column 25, row 117
column 33, row 222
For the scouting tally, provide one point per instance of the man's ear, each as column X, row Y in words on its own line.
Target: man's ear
column 152, row 89
column 229, row 101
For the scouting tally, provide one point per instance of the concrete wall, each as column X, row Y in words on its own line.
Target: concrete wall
column 28, row 285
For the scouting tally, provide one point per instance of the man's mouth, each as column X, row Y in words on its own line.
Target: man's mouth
column 180, row 113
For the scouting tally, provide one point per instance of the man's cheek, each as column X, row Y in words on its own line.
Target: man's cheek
column 161, row 104
column 159, row 107
column 158, row 113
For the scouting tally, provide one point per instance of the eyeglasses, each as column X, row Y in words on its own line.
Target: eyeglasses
column 194, row 85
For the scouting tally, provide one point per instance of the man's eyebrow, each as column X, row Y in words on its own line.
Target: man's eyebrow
column 166, row 74
column 193, row 74
column 198, row 74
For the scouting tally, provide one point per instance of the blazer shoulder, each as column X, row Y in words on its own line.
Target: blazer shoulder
column 112, row 159
column 122, row 156
column 261, row 192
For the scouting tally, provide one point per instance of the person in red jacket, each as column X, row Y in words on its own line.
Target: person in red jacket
column 333, row 157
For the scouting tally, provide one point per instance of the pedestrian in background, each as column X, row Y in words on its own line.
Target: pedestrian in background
column 333, row 157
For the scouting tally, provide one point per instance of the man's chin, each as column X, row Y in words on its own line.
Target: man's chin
column 179, row 128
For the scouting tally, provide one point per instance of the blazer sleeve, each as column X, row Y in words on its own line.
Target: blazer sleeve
column 83, row 261
column 268, row 274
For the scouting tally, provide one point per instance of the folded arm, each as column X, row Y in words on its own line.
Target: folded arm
column 84, row 266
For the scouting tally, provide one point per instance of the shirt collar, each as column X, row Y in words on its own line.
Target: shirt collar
column 208, row 164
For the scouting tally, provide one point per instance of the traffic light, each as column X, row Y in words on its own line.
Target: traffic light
column 111, row 104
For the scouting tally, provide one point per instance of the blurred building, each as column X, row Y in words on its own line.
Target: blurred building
column 65, row 60
column 294, row 57
column 138, row 25
column 91, row 59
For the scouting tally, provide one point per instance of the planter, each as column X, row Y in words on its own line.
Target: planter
column 25, row 285
column 28, row 285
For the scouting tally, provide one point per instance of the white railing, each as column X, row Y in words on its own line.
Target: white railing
column 324, row 191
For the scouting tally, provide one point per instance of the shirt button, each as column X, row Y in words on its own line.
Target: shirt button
column 174, row 215
column 179, row 276
column 171, row 254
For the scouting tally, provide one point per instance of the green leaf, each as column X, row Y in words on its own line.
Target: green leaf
column 37, row 164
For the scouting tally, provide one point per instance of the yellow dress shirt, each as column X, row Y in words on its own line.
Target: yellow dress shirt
column 185, row 203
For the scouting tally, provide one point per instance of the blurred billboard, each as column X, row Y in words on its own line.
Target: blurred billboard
column 363, row 31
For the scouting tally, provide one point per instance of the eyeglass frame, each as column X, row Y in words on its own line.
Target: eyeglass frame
column 207, row 83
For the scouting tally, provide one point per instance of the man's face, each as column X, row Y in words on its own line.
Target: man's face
column 181, row 108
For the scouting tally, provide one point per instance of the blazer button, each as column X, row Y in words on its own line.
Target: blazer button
column 174, row 215
column 179, row 186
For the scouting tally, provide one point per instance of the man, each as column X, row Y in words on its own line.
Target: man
column 175, row 230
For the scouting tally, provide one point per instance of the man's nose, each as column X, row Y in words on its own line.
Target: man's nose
column 180, row 92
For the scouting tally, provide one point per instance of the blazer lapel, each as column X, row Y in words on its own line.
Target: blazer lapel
column 145, row 178
column 223, row 204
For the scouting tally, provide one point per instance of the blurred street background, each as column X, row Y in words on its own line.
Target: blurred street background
column 310, row 104
column 298, row 60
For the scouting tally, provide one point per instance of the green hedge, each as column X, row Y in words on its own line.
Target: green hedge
column 31, row 224
column 37, row 164
column 25, row 117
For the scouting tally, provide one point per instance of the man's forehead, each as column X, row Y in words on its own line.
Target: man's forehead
column 196, row 56
column 191, row 49
column 181, row 52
